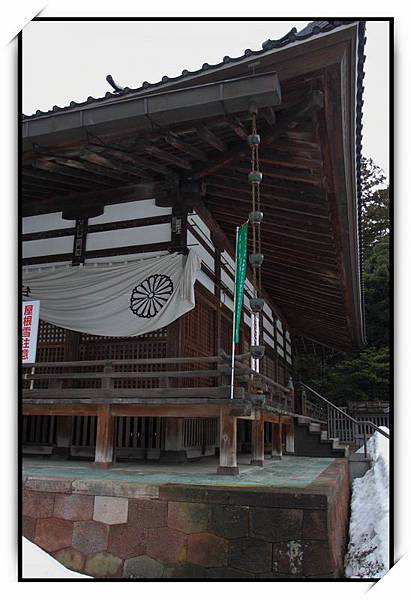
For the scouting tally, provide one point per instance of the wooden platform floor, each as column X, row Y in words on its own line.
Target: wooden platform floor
column 291, row 471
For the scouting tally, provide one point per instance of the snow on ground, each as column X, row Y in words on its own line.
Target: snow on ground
column 37, row 564
column 368, row 548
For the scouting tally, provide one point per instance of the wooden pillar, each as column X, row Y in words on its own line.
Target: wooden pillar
column 228, row 445
column 64, row 431
column 289, row 438
column 257, row 441
column 174, row 441
column 104, row 456
column 277, row 446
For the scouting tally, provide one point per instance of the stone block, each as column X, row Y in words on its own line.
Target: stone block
column 167, row 545
column 29, row 527
column 143, row 567
column 190, row 517
column 288, row 558
column 185, row 493
column 53, row 534
column 317, row 559
column 120, row 489
column 250, row 555
column 315, row 525
column 70, row 558
column 73, row 507
column 110, row 510
column 147, row 513
column 276, row 524
column 227, row 573
column 90, row 537
column 39, row 505
column 126, row 541
column 187, row 571
column 207, row 550
column 287, row 498
column 103, row 564
column 49, row 484
column 229, row 521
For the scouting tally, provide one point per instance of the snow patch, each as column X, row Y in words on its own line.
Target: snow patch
column 37, row 564
column 368, row 548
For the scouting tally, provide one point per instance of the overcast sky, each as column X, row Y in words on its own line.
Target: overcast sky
column 64, row 61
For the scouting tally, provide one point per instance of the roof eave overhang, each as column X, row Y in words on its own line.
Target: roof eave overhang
column 163, row 108
column 347, row 196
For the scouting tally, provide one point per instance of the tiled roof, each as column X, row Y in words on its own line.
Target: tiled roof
column 312, row 29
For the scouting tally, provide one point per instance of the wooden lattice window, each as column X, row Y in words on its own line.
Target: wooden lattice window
column 84, row 431
column 200, row 432
column 39, row 429
column 268, row 366
column 140, row 432
column 199, row 339
column 226, row 334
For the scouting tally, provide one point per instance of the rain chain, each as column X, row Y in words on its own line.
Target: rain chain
column 256, row 258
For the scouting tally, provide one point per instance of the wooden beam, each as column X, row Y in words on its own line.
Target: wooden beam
column 277, row 445
column 128, row 155
column 168, row 157
column 179, row 144
column 64, row 430
column 60, row 409
column 228, row 445
column 37, row 175
column 104, row 456
column 78, row 172
column 257, row 441
column 290, row 438
column 237, row 127
column 83, row 168
column 114, row 164
column 142, row 191
column 210, row 138
column 309, row 105
column 139, row 410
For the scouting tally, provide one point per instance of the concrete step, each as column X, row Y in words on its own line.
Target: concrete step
column 315, row 427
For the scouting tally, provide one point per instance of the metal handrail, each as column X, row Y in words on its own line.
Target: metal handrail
column 346, row 415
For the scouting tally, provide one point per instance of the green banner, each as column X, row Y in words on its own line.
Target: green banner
column 240, row 274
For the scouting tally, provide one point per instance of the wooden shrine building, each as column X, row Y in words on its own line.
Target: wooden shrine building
column 163, row 170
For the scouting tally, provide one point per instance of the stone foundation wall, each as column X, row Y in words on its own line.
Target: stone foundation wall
column 125, row 530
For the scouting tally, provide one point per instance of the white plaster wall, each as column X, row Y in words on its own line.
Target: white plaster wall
column 151, row 234
column 59, row 245
column 139, row 209
column 45, row 222
column 200, row 251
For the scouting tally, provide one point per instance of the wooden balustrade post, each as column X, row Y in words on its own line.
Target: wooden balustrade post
column 104, row 456
column 289, row 437
column 228, row 445
column 107, row 382
column 277, row 445
column 257, row 441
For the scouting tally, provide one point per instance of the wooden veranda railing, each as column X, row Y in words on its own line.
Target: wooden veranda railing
column 171, row 378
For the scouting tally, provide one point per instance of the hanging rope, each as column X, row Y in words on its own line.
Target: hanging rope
column 255, row 177
column 256, row 259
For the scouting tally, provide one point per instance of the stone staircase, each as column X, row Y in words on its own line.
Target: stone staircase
column 311, row 439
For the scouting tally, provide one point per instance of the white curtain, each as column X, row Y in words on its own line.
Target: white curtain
column 117, row 300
